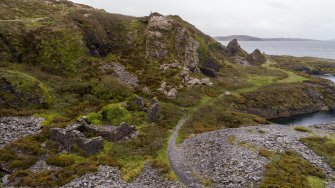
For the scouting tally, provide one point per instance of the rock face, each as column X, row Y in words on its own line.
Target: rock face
column 125, row 76
column 161, row 30
column 12, row 128
column 73, row 135
column 256, row 58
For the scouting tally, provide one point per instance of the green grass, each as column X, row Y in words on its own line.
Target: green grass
column 316, row 182
column 291, row 76
column 324, row 146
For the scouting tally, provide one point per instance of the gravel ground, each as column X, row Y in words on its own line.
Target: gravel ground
column 230, row 157
column 12, row 128
column 110, row 177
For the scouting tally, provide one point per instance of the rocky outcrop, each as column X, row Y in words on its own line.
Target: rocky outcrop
column 157, row 37
column 154, row 112
column 125, row 76
column 74, row 135
column 256, row 58
column 234, row 49
column 12, row 128
column 210, row 68
column 161, row 30
column 71, row 139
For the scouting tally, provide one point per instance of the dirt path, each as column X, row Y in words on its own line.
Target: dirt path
column 182, row 170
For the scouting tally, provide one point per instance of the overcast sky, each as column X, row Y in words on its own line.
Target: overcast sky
column 262, row 18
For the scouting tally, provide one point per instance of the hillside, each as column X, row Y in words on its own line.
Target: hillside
column 251, row 38
column 91, row 98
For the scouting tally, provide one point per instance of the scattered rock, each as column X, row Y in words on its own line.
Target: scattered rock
column 41, row 165
column 228, row 93
column 205, row 81
column 236, row 162
column 193, row 81
column 169, row 66
column 110, row 177
column 12, row 128
column 172, row 94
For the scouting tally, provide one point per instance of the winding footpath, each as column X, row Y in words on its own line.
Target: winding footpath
column 182, row 170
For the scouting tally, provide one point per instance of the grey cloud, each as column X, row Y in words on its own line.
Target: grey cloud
column 262, row 18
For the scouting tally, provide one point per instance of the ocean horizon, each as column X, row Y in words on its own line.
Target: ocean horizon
column 319, row 49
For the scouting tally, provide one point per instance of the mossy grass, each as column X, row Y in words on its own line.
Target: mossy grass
column 302, row 129
column 23, row 85
column 324, row 146
column 288, row 169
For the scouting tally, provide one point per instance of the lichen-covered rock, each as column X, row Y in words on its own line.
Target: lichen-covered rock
column 159, row 22
column 16, row 91
column 256, row 57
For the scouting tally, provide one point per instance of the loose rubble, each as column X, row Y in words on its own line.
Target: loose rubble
column 230, row 157
column 110, row 177
column 12, row 128
column 125, row 76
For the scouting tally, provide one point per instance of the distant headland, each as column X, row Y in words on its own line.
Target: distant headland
column 251, row 38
